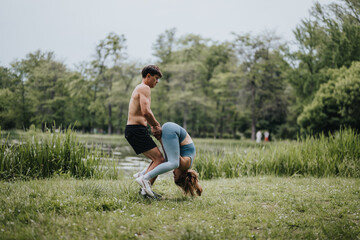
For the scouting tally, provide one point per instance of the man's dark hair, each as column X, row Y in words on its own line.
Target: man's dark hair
column 152, row 69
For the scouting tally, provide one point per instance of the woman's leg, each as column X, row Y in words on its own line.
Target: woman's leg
column 170, row 141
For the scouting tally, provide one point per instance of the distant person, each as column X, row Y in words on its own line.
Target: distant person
column 266, row 136
column 180, row 152
column 140, row 115
column 258, row 136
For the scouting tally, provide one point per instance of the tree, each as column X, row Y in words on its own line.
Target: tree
column 183, row 94
column 23, row 71
column 48, row 93
column 109, row 53
column 226, row 87
column 336, row 103
column 8, row 87
column 164, row 46
column 263, row 82
column 40, row 90
column 330, row 38
column 80, row 96
column 221, row 84
column 178, row 91
column 7, row 116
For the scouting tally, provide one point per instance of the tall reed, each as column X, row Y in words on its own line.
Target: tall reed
column 335, row 155
column 39, row 155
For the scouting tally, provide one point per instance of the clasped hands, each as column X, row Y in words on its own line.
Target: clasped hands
column 156, row 131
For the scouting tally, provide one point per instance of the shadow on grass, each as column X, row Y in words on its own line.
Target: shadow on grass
column 150, row 200
column 180, row 199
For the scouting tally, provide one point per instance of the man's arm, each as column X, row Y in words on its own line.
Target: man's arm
column 145, row 102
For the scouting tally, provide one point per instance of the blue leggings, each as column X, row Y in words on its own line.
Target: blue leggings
column 172, row 136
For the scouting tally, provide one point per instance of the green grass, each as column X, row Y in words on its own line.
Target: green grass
column 336, row 155
column 241, row 200
column 260, row 207
column 41, row 155
column 48, row 154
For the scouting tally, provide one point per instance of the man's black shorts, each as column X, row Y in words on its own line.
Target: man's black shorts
column 139, row 138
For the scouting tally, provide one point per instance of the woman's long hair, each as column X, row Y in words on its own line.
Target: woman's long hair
column 189, row 183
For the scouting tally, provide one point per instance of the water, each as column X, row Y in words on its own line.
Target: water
column 127, row 161
column 132, row 164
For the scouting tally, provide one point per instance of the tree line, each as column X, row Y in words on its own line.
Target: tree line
column 224, row 89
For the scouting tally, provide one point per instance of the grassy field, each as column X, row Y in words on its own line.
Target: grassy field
column 42, row 155
column 259, row 207
column 335, row 155
column 54, row 186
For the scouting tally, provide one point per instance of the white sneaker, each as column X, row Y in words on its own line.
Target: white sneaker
column 138, row 174
column 146, row 185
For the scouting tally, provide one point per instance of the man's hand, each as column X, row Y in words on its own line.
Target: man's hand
column 156, row 131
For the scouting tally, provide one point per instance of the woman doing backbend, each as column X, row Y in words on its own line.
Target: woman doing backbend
column 180, row 152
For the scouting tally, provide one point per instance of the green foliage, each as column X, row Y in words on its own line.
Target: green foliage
column 48, row 93
column 39, row 155
column 263, row 85
column 164, row 46
column 104, row 73
column 12, row 106
column 213, row 89
column 336, row 104
column 39, row 90
column 80, row 95
column 330, row 38
column 7, row 114
column 188, row 92
column 336, row 155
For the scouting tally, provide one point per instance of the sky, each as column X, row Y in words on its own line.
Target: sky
column 73, row 28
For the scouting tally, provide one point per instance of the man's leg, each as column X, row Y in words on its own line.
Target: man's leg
column 156, row 158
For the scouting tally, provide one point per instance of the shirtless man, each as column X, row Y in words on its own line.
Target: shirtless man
column 140, row 115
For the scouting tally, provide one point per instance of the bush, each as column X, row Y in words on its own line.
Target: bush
column 39, row 155
column 336, row 104
column 322, row 156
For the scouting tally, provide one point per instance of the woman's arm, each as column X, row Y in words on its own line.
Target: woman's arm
column 185, row 163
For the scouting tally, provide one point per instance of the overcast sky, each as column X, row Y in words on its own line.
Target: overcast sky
column 72, row 28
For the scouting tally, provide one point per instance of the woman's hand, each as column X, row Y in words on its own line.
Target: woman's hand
column 156, row 131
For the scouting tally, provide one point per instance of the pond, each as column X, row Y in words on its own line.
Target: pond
column 125, row 158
